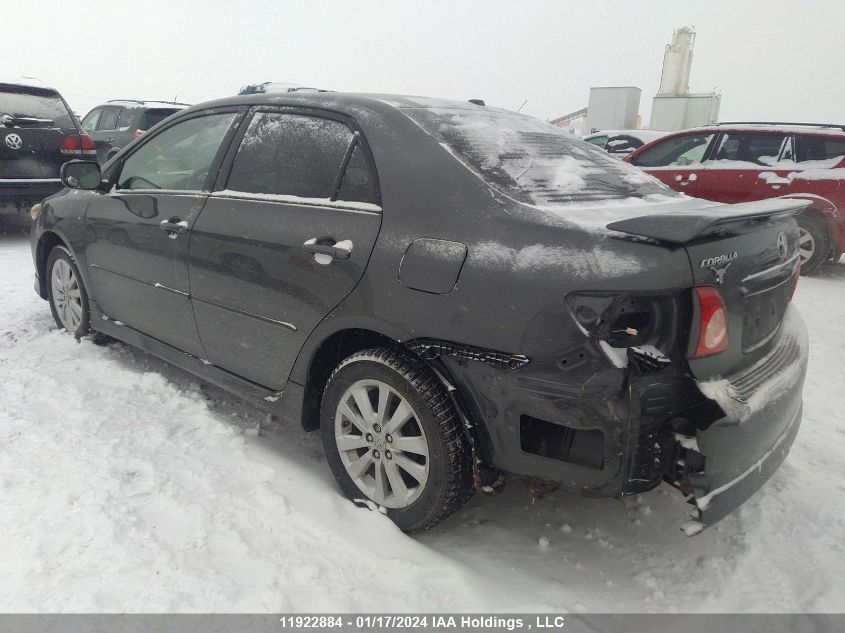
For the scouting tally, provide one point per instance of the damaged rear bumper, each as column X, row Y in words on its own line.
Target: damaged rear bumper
column 736, row 455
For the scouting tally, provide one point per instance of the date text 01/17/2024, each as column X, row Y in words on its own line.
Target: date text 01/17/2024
column 437, row 622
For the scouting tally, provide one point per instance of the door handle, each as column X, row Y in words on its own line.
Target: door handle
column 109, row 139
column 174, row 227
column 325, row 253
column 690, row 179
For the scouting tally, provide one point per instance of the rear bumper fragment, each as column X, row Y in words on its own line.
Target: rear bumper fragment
column 737, row 454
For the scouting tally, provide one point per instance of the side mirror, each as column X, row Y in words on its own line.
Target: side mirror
column 111, row 153
column 81, row 174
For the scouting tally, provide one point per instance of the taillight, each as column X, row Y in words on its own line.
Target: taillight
column 713, row 322
column 78, row 145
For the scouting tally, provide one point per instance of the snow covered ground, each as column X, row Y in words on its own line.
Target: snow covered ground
column 125, row 485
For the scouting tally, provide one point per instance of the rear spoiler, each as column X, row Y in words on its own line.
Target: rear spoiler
column 680, row 227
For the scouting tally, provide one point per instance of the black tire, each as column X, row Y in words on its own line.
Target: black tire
column 449, row 481
column 817, row 229
column 62, row 254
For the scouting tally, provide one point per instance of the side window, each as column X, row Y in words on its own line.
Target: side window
column 89, row 123
column 108, row 120
column 760, row 149
column 290, row 154
column 358, row 184
column 676, row 152
column 124, row 121
column 598, row 141
column 819, row 148
column 622, row 144
column 154, row 117
column 179, row 157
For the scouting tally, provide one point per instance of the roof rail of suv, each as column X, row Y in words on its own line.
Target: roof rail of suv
column 828, row 125
column 146, row 101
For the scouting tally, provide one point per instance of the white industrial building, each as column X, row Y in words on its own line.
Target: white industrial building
column 673, row 107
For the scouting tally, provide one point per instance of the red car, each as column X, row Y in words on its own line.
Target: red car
column 740, row 162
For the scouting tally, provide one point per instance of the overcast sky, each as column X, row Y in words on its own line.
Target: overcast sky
column 771, row 60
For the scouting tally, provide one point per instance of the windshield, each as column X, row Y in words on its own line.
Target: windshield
column 34, row 106
column 532, row 161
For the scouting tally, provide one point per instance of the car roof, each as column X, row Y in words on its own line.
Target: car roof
column 789, row 128
column 26, row 82
column 641, row 134
column 143, row 103
column 343, row 101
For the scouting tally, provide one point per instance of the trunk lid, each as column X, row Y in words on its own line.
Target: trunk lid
column 749, row 252
column 31, row 152
column 33, row 123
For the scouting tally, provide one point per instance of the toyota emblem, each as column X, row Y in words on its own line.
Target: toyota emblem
column 783, row 246
column 13, row 141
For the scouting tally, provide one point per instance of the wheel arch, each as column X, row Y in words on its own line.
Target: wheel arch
column 344, row 342
column 315, row 371
column 47, row 241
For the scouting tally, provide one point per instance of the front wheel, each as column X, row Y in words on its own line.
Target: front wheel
column 66, row 293
column 392, row 436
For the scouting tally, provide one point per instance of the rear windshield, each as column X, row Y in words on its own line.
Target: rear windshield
column 532, row 161
column 35, row 107
column 156, row 116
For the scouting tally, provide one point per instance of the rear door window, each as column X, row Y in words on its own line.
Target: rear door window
column 124, row 121
column 299, row 155
column 759, row 149
column 358, row 183
column 108, row 119
column 34, row 107
column 679, row 151
column 178, row 158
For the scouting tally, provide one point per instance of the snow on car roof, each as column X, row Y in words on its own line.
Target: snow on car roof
column 28, row 82
column 831, row 129
column 644, row 135
column 144, row 102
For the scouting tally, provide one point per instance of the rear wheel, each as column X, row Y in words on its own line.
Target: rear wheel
column 393, row 437
column 813, row 243
column 66, row 292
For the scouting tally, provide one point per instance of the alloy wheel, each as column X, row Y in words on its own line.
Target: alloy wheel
column 806, row 245
column 381, row 443
column 66, row 295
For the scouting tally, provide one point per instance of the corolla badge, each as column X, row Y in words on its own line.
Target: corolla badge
column 719, row 264
column 783, row 246
column 13, row 141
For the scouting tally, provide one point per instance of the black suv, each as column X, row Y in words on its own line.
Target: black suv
column 447, row 291
column 38, row 132
column 115, row 123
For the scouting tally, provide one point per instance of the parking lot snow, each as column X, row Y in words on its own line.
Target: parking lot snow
column 127, row 485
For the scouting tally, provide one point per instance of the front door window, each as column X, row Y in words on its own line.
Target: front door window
column 179, row 157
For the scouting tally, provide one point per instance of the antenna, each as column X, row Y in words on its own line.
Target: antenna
column 522, row 106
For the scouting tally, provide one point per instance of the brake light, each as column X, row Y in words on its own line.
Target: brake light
column 78, row 145
column 713, row 322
